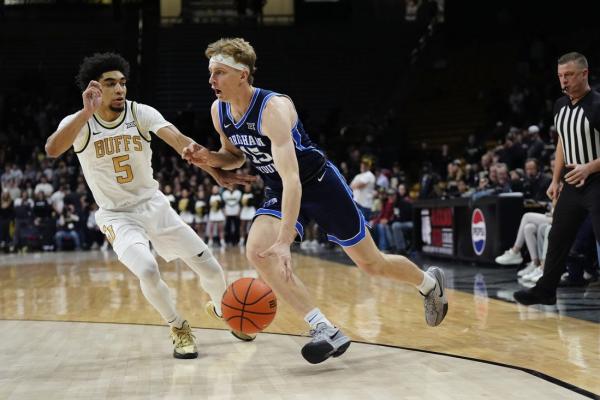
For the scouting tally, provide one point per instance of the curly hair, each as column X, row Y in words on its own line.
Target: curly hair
column 93, row 67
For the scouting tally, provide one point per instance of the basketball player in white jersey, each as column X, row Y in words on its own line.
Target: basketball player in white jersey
column 300, row 185
column 111, row 137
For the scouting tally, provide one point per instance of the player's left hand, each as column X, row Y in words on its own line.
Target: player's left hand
column 578, row 174
column 281, row 250
column 229, row 179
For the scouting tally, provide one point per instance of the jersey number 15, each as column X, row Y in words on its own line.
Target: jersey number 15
column 258, row 157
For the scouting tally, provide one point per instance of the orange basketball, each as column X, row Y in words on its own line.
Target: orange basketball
column 249, row 305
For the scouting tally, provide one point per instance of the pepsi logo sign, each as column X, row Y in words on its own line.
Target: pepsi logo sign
column 478, row 233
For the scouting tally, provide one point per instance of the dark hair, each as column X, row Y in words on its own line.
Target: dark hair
column 93, row 67
column 533, row 160
column 577, row 58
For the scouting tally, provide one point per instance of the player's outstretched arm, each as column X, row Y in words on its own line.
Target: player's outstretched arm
column 228, row 156
column 63, row 138
column 179, row 142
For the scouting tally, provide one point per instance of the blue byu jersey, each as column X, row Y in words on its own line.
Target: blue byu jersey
column 247, row 136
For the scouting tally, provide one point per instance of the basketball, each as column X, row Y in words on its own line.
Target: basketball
column 249, row 305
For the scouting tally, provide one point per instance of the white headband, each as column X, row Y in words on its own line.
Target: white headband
column 229, row 61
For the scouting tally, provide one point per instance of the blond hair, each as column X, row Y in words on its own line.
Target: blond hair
column 241, row 51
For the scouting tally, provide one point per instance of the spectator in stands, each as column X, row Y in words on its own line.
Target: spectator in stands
column 486, row 181
column 402, row 223
column 60, row 175
column 363, row 187
column 75, row 197
column 535, row 183
column 168, row 191
column 14, row 173
column 473, row 151
column 7, row 215
column 247, row 213
column 216, row 218
column 57, row 200
column 382, row 221
column 486, row 161
column 441, row 161
column 96, row 238
column 535, row 145
column 511, row 152
column 5, row 177
column 454, row 174
column 23, row 218
column 232, row 209
column 542, row 240
column 503, row 184
column 185, row 207
column 201, row 213
column 429, row 181
column 463, row 189
column 383, row 178
column 65, row 228
column 44, row 221
column 531, row 232
column 29, row 174
column 12, row 188
column 47, row 170
column 44, row 186
column 517, row 179
column 398, row 175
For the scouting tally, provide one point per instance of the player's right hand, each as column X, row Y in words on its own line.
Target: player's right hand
column 193, row 153
column 92, row 97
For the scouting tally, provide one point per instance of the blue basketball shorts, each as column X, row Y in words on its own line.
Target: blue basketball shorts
column 328, row 201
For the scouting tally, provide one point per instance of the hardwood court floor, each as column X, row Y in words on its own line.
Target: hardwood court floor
column 132, row 361
column 129, row 361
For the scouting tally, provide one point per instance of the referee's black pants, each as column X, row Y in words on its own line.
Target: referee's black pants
column 572, row 208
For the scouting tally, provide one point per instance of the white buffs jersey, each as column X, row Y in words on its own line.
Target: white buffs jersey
column 116, row 157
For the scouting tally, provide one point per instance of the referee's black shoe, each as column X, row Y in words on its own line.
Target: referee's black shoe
column 529, row 297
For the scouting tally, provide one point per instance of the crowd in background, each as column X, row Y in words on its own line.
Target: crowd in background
column 46, row 204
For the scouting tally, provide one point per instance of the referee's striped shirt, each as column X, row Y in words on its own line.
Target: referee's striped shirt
column 579, row 127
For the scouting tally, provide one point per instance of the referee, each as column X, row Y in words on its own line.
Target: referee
column 577, row 120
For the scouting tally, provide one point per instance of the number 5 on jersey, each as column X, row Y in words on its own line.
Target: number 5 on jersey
column 122, row 168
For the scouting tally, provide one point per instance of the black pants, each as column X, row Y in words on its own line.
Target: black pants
column 232, row 229
column 572, row 208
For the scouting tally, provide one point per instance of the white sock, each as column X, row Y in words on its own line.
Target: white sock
column 211, row 276
column 427, row 285
column 315, row 316
column 177, row 322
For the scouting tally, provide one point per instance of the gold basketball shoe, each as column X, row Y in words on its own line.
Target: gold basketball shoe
column 212, row 313
column 184, row 341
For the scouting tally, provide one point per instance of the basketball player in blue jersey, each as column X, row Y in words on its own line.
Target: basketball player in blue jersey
column 300, row 184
